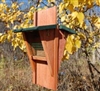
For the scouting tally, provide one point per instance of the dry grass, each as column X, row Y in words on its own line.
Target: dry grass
column 74, row 75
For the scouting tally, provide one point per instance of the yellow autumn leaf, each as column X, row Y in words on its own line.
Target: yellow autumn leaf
column 75, row 3
column 67, row 56
column 82, row 36
column 14, row 6
column 15, row 27
column 19, row 35
column 71, row 37
column 51, row 1
column 30, row 15
column 32, row 8
column 98, row 2
column 74, row 15
column 64, row 23
column 78, row 43
column 74, row 49
column 91, row 34
column 89, row 2
column 69, row 44
column 1, row 34
column 23, row 47
column 63, row 18
column 81, row 1
column 90, row 40
column 3, row 15
column 65, row 1
column 96, row 45
column 9, row 37
column 68, row 47
column 97, row 23
column 70, row 7
column 65, row 52
column 3, row 1
column 66, row 5
column 80, row 17
column 3, row 38
column 61, row 7
column 39, row 9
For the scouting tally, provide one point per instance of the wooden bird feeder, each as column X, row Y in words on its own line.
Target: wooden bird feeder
column 45, row 46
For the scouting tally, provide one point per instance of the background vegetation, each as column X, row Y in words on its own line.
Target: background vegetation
column 74, row 75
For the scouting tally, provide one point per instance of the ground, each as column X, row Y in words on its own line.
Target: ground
column 74, row 75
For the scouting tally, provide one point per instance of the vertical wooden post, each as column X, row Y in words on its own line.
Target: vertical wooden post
column 47, row 73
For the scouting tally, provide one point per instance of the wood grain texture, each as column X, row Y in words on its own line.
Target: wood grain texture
column 56, row 57
column 47, row 73
column 48, row 45
column 39, row 58
column 47, row 16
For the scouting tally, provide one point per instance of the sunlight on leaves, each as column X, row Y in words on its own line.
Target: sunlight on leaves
column 51, row 1
column 69, row 44
column 97, row 22
column 3, row 1
column 74, row 15
column 98, row 2
column 96, row 45
column 82, row 36
column 1, row 34
column 74, row 2
column 78, row 43
column 80, row 17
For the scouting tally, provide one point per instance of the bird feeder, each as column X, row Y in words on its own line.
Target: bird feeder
column 45, row 46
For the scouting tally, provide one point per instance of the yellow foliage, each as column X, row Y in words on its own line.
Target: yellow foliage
column 61, row 7
column 75, row 3
column 80, row 17
column 91, row 34
column 14, row 6
column 78, row 43
column 1, row 34
column 82, row 36
column 96, row 45
column 30, row 15
column 3, row 38
column 71, row 7
column 51, row 1
column 98, row 2
column 15, row 43
column 97, row 22
column 9, row 35
column 66, row 55
column 22, row 46
column 3, row 1
column 69, row 44
column 74, row 15
column 63, row 18
column 90, row 40
column 72, row 45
